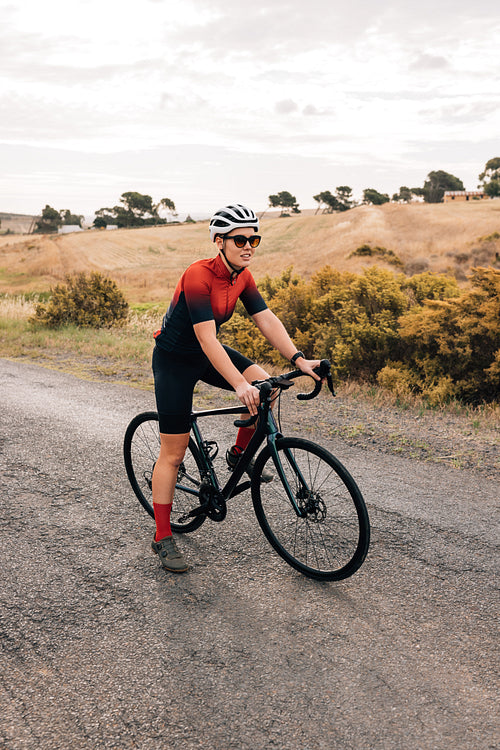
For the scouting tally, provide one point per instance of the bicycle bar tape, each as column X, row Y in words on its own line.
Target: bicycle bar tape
column 246, row 422
column 323, row 370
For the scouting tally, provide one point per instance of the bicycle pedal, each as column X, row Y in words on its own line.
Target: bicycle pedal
column 233, row 455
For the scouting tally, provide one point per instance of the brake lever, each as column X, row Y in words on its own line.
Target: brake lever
column 329, row 383
column 265, row 389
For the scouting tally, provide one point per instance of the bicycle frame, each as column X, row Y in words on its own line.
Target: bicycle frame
column 266, row 430
column 323, row 531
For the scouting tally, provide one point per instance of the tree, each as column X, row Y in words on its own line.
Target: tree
column 491, row 170
column 274, row 201
column 71, row 219
column 49, row 222
column 490, row 177
column 139, row 206
column 137, row 210
column 117, row 215
column 341, row 201
column 405, row 194
column 373, row 197
column 492, row 188
column 284, row 200
column 436, row 184
column 343, row 194
column 168, row 205
column 105, row 216
column 326, row 202
column 100, row 222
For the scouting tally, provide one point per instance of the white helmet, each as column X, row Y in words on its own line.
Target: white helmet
column 232, row 217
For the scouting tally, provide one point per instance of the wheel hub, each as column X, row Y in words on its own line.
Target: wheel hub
column 312, row 507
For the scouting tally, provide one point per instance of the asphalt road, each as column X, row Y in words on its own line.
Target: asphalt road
column 102, row 649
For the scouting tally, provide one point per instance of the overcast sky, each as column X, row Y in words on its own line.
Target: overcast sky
column 212, row 101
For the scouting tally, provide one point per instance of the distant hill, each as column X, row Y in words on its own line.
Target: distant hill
column 147, row 262
column 18, row 223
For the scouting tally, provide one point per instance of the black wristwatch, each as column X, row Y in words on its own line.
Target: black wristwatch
column 296, row 356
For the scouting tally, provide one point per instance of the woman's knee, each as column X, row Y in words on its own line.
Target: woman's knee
column 255, row 372
column 173, row 449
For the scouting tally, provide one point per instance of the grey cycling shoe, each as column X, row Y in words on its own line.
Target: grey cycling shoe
column 233, row 456
column 170, row 557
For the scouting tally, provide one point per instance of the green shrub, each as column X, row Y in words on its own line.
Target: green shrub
column 420, row 335
column 363, row 250
column 269, row 287
column 356, row 322
column 241, row 333
column 351, row 319
column 89, row 301
column 428, row 285
column 399, row 379
column 453, row 345
column 388, row 255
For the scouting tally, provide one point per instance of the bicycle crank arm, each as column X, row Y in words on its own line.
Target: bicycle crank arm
column 200, row 510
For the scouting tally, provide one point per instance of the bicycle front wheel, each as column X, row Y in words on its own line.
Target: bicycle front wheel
column 140, row 450
column 327, row 535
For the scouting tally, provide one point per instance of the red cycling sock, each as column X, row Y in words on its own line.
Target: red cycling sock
column 244, row 436
column 162, row 518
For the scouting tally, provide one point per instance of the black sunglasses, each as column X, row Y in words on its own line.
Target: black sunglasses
column 240, row 240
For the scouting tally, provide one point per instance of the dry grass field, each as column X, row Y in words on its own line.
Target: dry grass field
column 147, row 262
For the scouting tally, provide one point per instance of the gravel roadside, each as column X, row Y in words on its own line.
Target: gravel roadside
column 101, row 649
column 460, row 440
column 454, row 440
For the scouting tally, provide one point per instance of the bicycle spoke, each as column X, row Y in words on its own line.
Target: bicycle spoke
column 328, row 538
column 141, row 450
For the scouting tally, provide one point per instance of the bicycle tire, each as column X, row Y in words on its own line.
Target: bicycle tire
column 141, row 447
column 331, row 540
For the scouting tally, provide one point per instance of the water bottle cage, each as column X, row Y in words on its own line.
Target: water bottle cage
column 210, row 448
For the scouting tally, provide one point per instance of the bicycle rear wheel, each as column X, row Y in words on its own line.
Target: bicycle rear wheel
column 328, row 539
column 140, row 450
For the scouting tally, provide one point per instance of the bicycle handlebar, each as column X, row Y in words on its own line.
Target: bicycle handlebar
column 267, row 386
column 324, row 370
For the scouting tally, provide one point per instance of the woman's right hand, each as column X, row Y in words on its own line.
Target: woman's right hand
column 249, row 396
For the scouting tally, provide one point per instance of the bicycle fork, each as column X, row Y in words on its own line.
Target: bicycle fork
column 273, row 435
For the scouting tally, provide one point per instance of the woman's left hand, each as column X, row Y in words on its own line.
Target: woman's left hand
column 307, row 366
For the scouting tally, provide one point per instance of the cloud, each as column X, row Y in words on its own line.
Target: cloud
column 286, row 107
column 289, row 27
column 20, row 50
column 70, row 75
column 463, row 112
column 310, row 110
column 39, row 120
column 426, row 61
column 357, row 84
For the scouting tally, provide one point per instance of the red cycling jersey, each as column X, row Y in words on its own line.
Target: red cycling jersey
column 207, row 290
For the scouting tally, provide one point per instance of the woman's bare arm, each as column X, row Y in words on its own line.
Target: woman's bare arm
column 275, row 332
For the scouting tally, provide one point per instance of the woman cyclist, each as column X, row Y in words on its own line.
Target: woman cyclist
column 187, row 350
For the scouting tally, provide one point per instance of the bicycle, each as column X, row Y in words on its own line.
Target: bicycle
column 312, row 513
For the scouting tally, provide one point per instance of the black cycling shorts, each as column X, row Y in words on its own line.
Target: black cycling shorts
column 175, row 378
